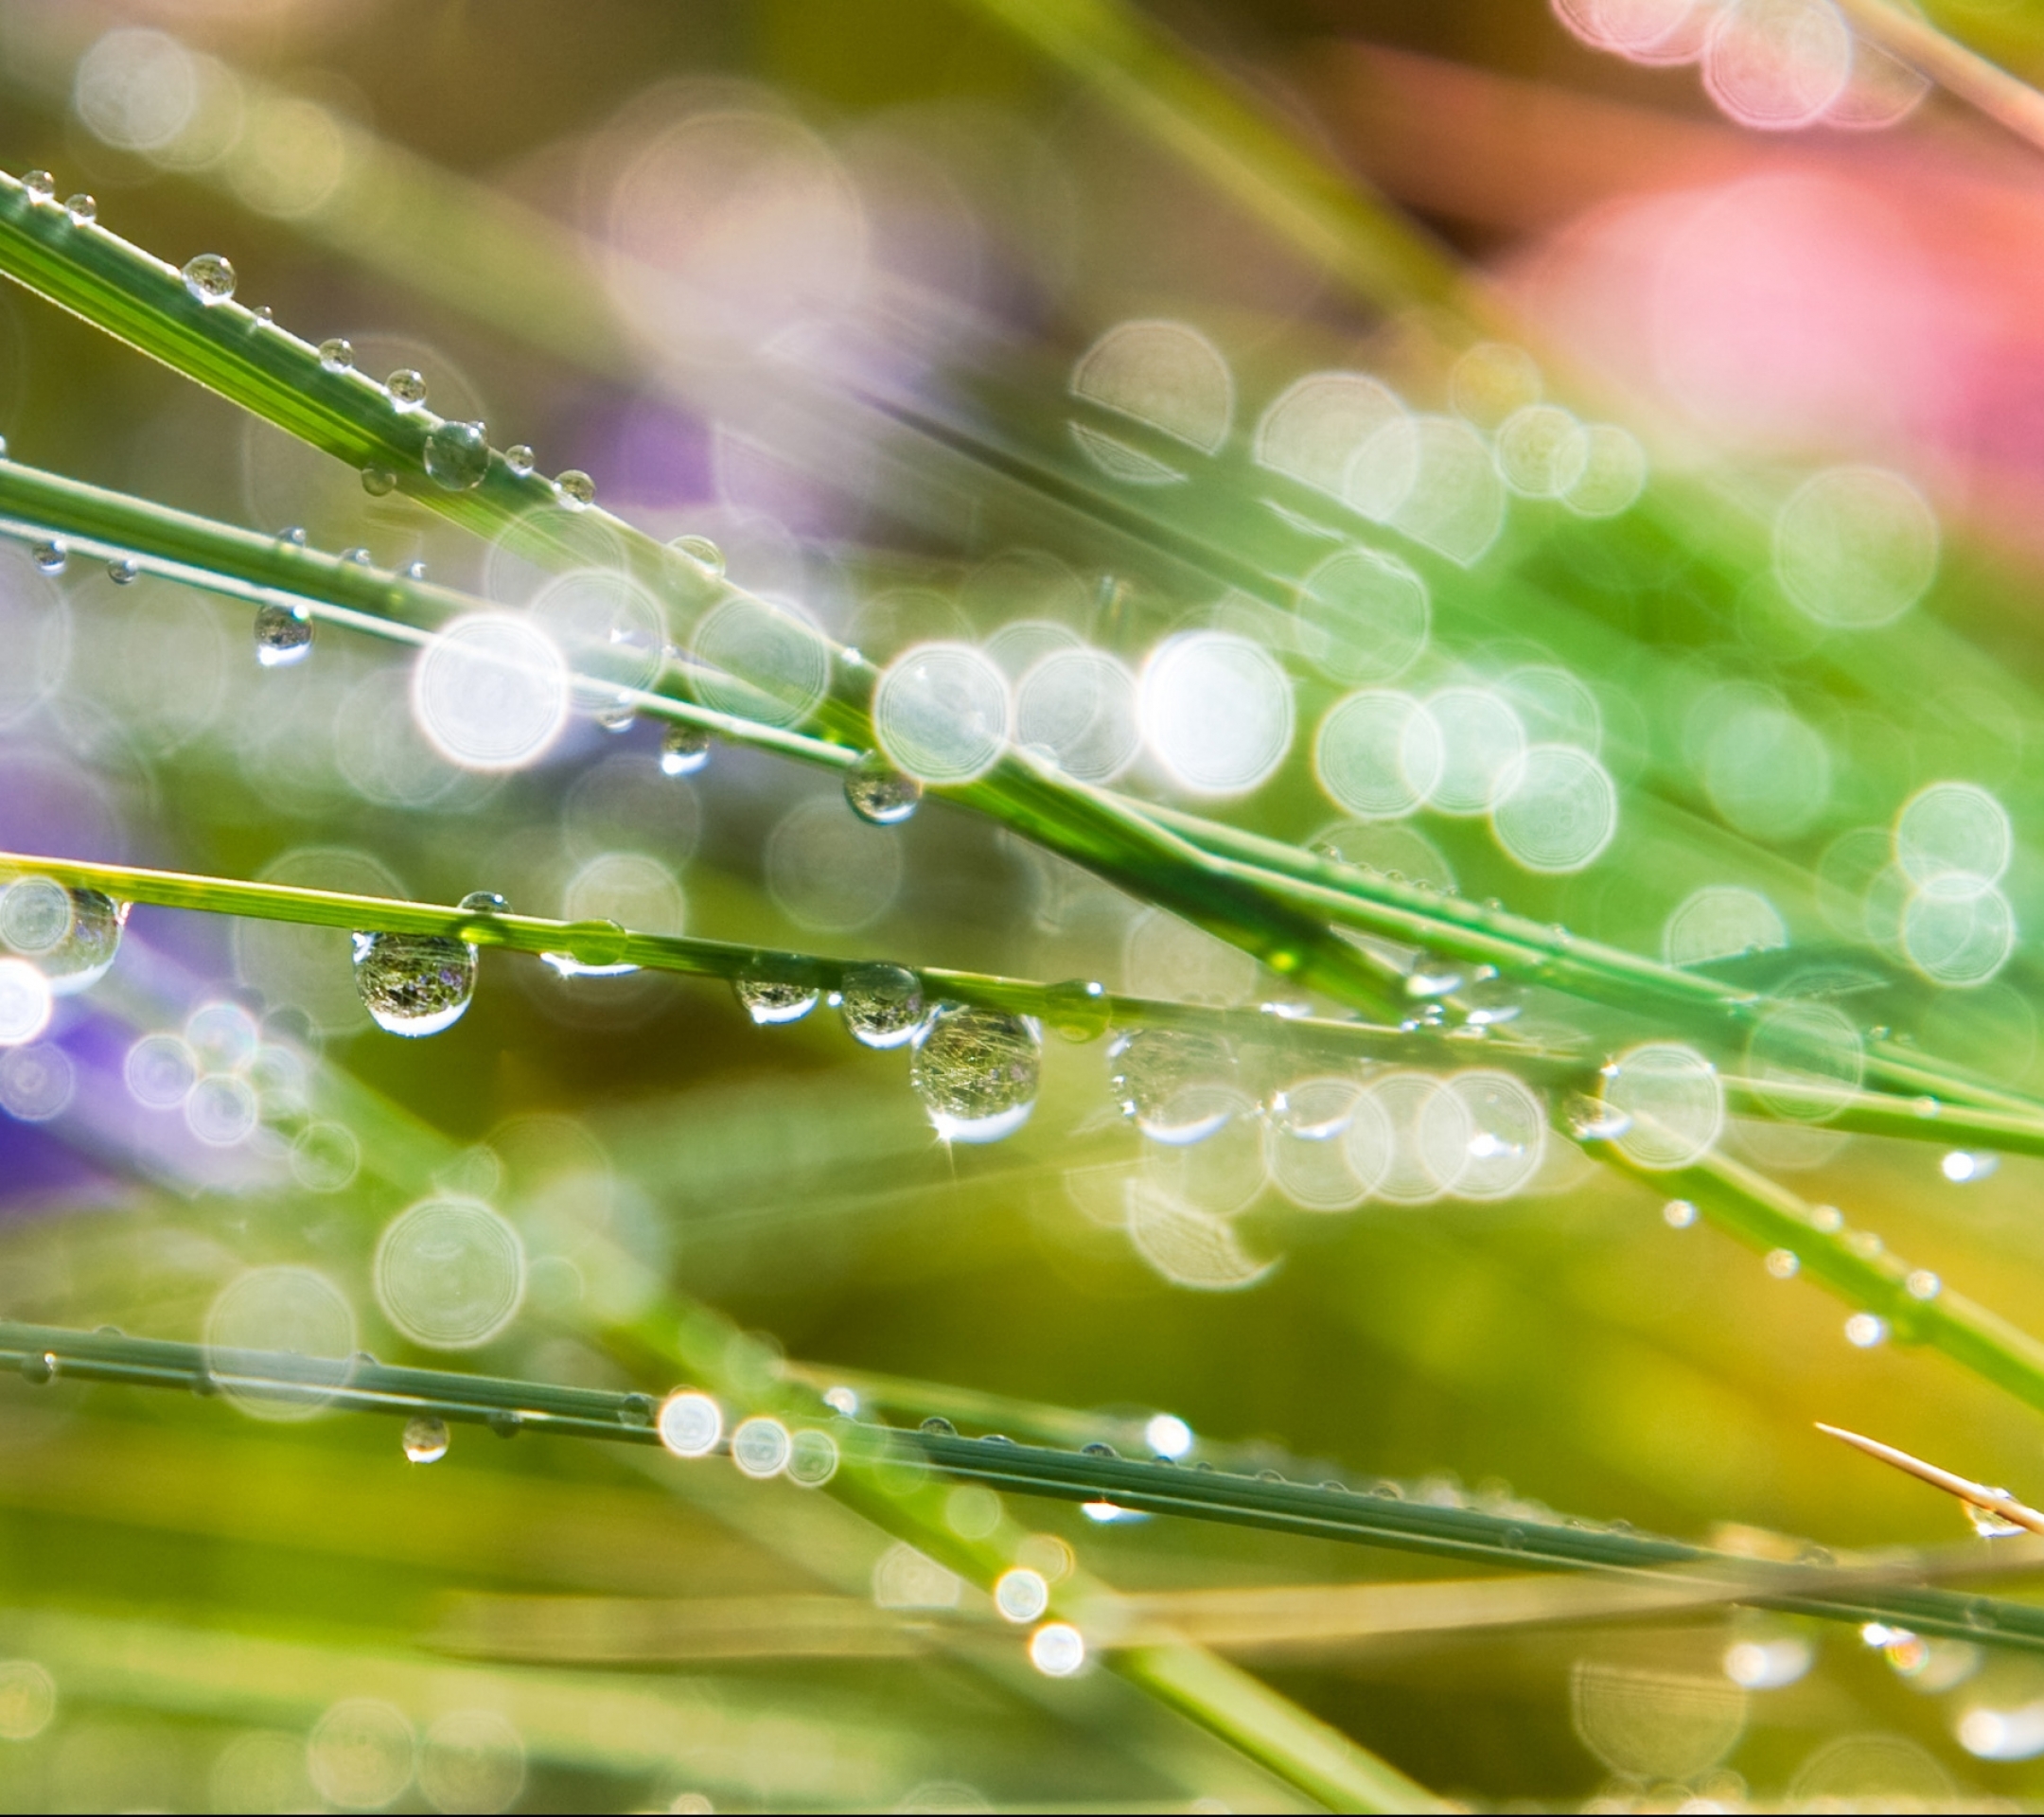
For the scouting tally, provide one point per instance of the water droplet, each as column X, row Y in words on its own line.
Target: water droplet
column 880, row 793
column 378, row 482
column 42, row 1370
column 1989, row 1525
column 505, row 1423
column 457, row 456
column 483, row 902
column 882, row 1005
column 283, row 635
column 407, row 388
column 684, row 749
column 1178, row 1085
column 595, row 950
column 520, row 458
column 41, row 186
column 82, row 210
column 1591, row 1119
column 619, row 717
column 414, row 984
column 977, row 1071
column 1431, row 977
column 413, row 571
column 72, row 935
column 1827, row 1217
column 770, row 1000
column 1057, row 1650
column 425, row 1439
column 122, row 572
column 337, row 355
column 703, row 553
column 1864, row 1331
column 264, row 312
column 1678, row 1214
column 359, row 556
column 209, row 278
column 1021, row 1595
column 294, row 535
column 577, row 486
column 1784, row 1264
column 1077, row 1009
column 938, row 1426
column 51, row 554
column 1922, row 1284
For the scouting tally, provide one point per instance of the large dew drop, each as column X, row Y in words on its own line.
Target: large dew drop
column 425, row 1439
column 414, row 984
column 977, row 1072
column 457, row 456
column 683, row 750
column 879, row 793
column 71, row 935
column 283, row 635
column 882, row 1005
column 210, row 278
column 1177, row 1085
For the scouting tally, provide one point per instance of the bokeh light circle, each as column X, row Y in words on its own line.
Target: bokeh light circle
column 491, row 692
column 940, row 713
column 449, row 1273
column 1216, row 712
column 1556, row 808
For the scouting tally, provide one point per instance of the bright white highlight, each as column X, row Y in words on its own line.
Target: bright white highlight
column 1671, row 1101
column 1168, row 1436
column 760, row 1447
column 1080, row 706
column 940, row 713
column 24, row 1002
column 1557, row 809
column 1057, row 1650
column 1481, row 740
column 690, row 1424
column 1378, row 753
column 1021, row 1595
column 490, row 691
column 1216, row 711
column 1958, row 933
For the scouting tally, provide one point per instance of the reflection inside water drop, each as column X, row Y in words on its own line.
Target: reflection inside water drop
column 283, row 634
column 879, row 793
column 414, row 984
column 977, row 1072
column 684, row 749
column 882, row 1005
column 425, row 1439
column 770, row 1001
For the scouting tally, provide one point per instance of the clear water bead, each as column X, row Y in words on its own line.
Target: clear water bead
column 378, row 482
column 122, row 572
column 879, row 793
column 457, row 456
column 51, row 554
column 41, row 186
column 770, row 1001
column 293, row 534
column 414, row 984
column 337, row 355
column 621, row 716
column 483, row 902
column 73, row 936
column 407, row 388
column 82, row 210
column 520, row 458
column 683, row 750
column 1175, row 1084
column 413, row 571
column 577, row 486
column 209, row 278
column 1077, row 1009
column 882, row 1005
column 703, row 553
column 359, row 556
column 977, row 1071
column 425, row 1439
column 283, row 635
column 1989, row 1525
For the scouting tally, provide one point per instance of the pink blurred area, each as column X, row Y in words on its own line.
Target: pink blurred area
column 1804, row 298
